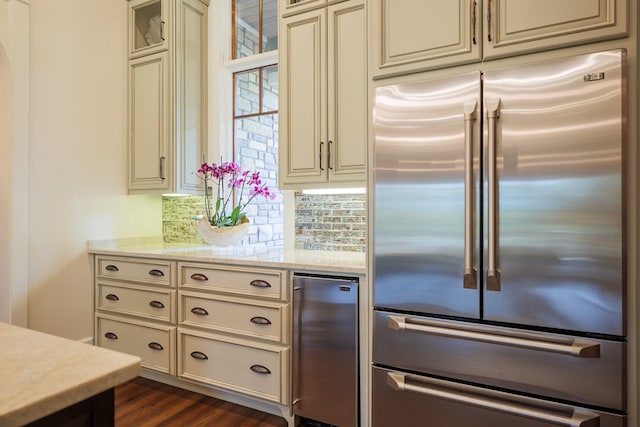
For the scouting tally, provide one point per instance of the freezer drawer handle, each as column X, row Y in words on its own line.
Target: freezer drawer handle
column 491, row 400
column 569, row 347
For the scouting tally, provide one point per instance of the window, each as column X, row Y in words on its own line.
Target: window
column 255, row 109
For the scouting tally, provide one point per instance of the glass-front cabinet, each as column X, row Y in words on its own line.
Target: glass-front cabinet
column 147, row 27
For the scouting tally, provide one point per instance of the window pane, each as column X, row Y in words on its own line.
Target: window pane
column 269, row 25
column 256, row 149
column 247, row 93
column 247, row 28
column 270, row 89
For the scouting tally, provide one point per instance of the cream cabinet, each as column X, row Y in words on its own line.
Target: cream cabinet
column 323, row 96
column 234, row 329
column 136, row 309
column 221, row 326
column 416, row 35
column 167, row 87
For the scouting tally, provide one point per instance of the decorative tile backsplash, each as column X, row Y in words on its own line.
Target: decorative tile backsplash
column 335, row 222
column 332, row 222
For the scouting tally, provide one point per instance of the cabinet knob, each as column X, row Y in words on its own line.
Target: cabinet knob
column 112, row 297
column 199, row 311
column 111, row 267
column 259, row 369
column 260, row 283
column 111, row 336
column 156, row 304
column 155, row 346
column 199, row 355
column 259, row 320
column 156, row 273
column 199, row 277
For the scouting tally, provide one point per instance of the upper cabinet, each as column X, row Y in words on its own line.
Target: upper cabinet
column 416, row 35
column 323, row 97
column 167, row 91
column 147, row 20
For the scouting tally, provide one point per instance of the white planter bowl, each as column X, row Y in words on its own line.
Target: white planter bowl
column 222, row 236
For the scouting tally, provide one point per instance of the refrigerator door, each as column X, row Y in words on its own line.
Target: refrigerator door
column 427, row 138
column 325, row 352
column 554, row 209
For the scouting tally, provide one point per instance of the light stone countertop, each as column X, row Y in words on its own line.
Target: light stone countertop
column 41, row 373
column 337, row 262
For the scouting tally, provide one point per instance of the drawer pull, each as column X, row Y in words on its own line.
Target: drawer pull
column 260, row 283
column 259, row 369
column 112, row 297
column 155, row 346
column 156, row 273
column 259, row 320
column 199, row 311
column 199, row 277
column 199, row 355
column 156, row 304
column 111, row 267
column 111, row 336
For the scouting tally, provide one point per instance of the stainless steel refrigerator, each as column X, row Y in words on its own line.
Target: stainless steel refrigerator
column 499, row 247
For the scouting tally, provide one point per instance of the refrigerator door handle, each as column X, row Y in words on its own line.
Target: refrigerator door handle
column 568, row 347
column 470, row 115
column 491, row 400
column 493, row 275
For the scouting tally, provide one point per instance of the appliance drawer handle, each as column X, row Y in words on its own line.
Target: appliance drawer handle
column 469, row 274
column 492, row 400
column 568, row 346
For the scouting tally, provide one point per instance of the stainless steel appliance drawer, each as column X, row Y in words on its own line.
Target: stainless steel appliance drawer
column 564, row 367
column 402, row 399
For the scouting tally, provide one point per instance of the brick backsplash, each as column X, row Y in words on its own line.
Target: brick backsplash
column 335, row 222
column 322, row 222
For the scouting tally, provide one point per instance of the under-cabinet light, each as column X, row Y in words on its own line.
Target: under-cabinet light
column 359, row 190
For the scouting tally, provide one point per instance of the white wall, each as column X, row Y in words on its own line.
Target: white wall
column 77, row 157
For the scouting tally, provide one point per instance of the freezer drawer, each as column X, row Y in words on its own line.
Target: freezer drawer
column 402, row 399
column 585, row 370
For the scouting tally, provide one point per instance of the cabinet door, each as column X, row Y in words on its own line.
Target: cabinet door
column 303, row 103
column 149, row 112
column 191, row 95
column 347, row 91
column 148, row 31
column 413, row 35
column 517, row 26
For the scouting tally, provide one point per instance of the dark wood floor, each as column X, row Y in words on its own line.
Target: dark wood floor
column 146, row 403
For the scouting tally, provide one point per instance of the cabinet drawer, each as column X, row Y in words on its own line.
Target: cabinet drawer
column 157, row 304
column 145, row 271
column 259, row 319
column 256, row 369
column 154, row 344
column 241, row 281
